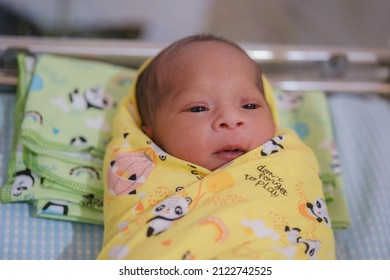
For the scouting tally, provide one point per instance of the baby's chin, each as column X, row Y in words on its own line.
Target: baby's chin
column 221, row 160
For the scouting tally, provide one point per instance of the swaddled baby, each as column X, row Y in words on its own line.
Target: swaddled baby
column 198, row 169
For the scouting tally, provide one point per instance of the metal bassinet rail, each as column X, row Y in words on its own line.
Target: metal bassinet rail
column 288, row 67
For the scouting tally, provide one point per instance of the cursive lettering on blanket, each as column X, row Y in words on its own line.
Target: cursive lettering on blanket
column 268, row 181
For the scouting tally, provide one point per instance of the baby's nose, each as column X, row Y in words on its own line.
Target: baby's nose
column 229, row 120
column 231, row 124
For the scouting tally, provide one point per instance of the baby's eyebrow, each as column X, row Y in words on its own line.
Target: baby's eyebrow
column 177, row 94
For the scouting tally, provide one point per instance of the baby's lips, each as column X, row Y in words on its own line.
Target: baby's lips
column 229, row 155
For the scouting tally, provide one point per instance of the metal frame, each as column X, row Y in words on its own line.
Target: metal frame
column 288, row 67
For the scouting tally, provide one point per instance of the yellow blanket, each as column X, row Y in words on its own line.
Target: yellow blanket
column 266, row 204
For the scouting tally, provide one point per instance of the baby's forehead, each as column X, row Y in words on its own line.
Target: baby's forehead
column 182, row 63
column 206, row 48
column 197, row 52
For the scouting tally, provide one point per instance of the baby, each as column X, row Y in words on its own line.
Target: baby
column 198, row 169
column 202, row 100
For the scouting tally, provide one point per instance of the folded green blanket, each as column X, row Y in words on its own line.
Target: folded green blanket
column 307, row 113
column 68, row 211
column 70, row 106
column 63, row 119
column 77, row 178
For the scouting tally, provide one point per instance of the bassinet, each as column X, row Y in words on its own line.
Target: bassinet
column 350, row 84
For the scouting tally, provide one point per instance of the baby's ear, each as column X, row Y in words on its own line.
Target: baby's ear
column 148, row 131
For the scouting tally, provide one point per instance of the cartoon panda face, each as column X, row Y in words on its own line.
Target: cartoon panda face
column 96, row 97
column 24, row 181
column 168, row 211
column 78, row 141
column 173, row 207
column 290, row 100
column 273, row 146
column 319, row 211
column 177, row 209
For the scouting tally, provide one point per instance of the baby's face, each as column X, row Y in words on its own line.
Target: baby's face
column 214, row 110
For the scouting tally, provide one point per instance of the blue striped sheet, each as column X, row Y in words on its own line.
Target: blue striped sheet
column 362, row 131
column 23, row 237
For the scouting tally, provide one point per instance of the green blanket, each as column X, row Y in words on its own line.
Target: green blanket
column 63, row 122
column 307, row 113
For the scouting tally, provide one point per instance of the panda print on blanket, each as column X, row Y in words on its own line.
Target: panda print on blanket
column 168, row 211
column 94, row 97
column 24, row 180
column 273, row 145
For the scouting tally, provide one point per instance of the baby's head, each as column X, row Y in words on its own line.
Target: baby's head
column 201, row 100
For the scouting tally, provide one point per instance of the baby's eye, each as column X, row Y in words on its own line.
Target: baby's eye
column 250, row 106
column 197, row 109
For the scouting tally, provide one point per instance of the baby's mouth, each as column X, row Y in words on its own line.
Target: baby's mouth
column 230, row 153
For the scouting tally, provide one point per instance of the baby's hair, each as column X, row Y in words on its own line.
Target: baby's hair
column 150, row 81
